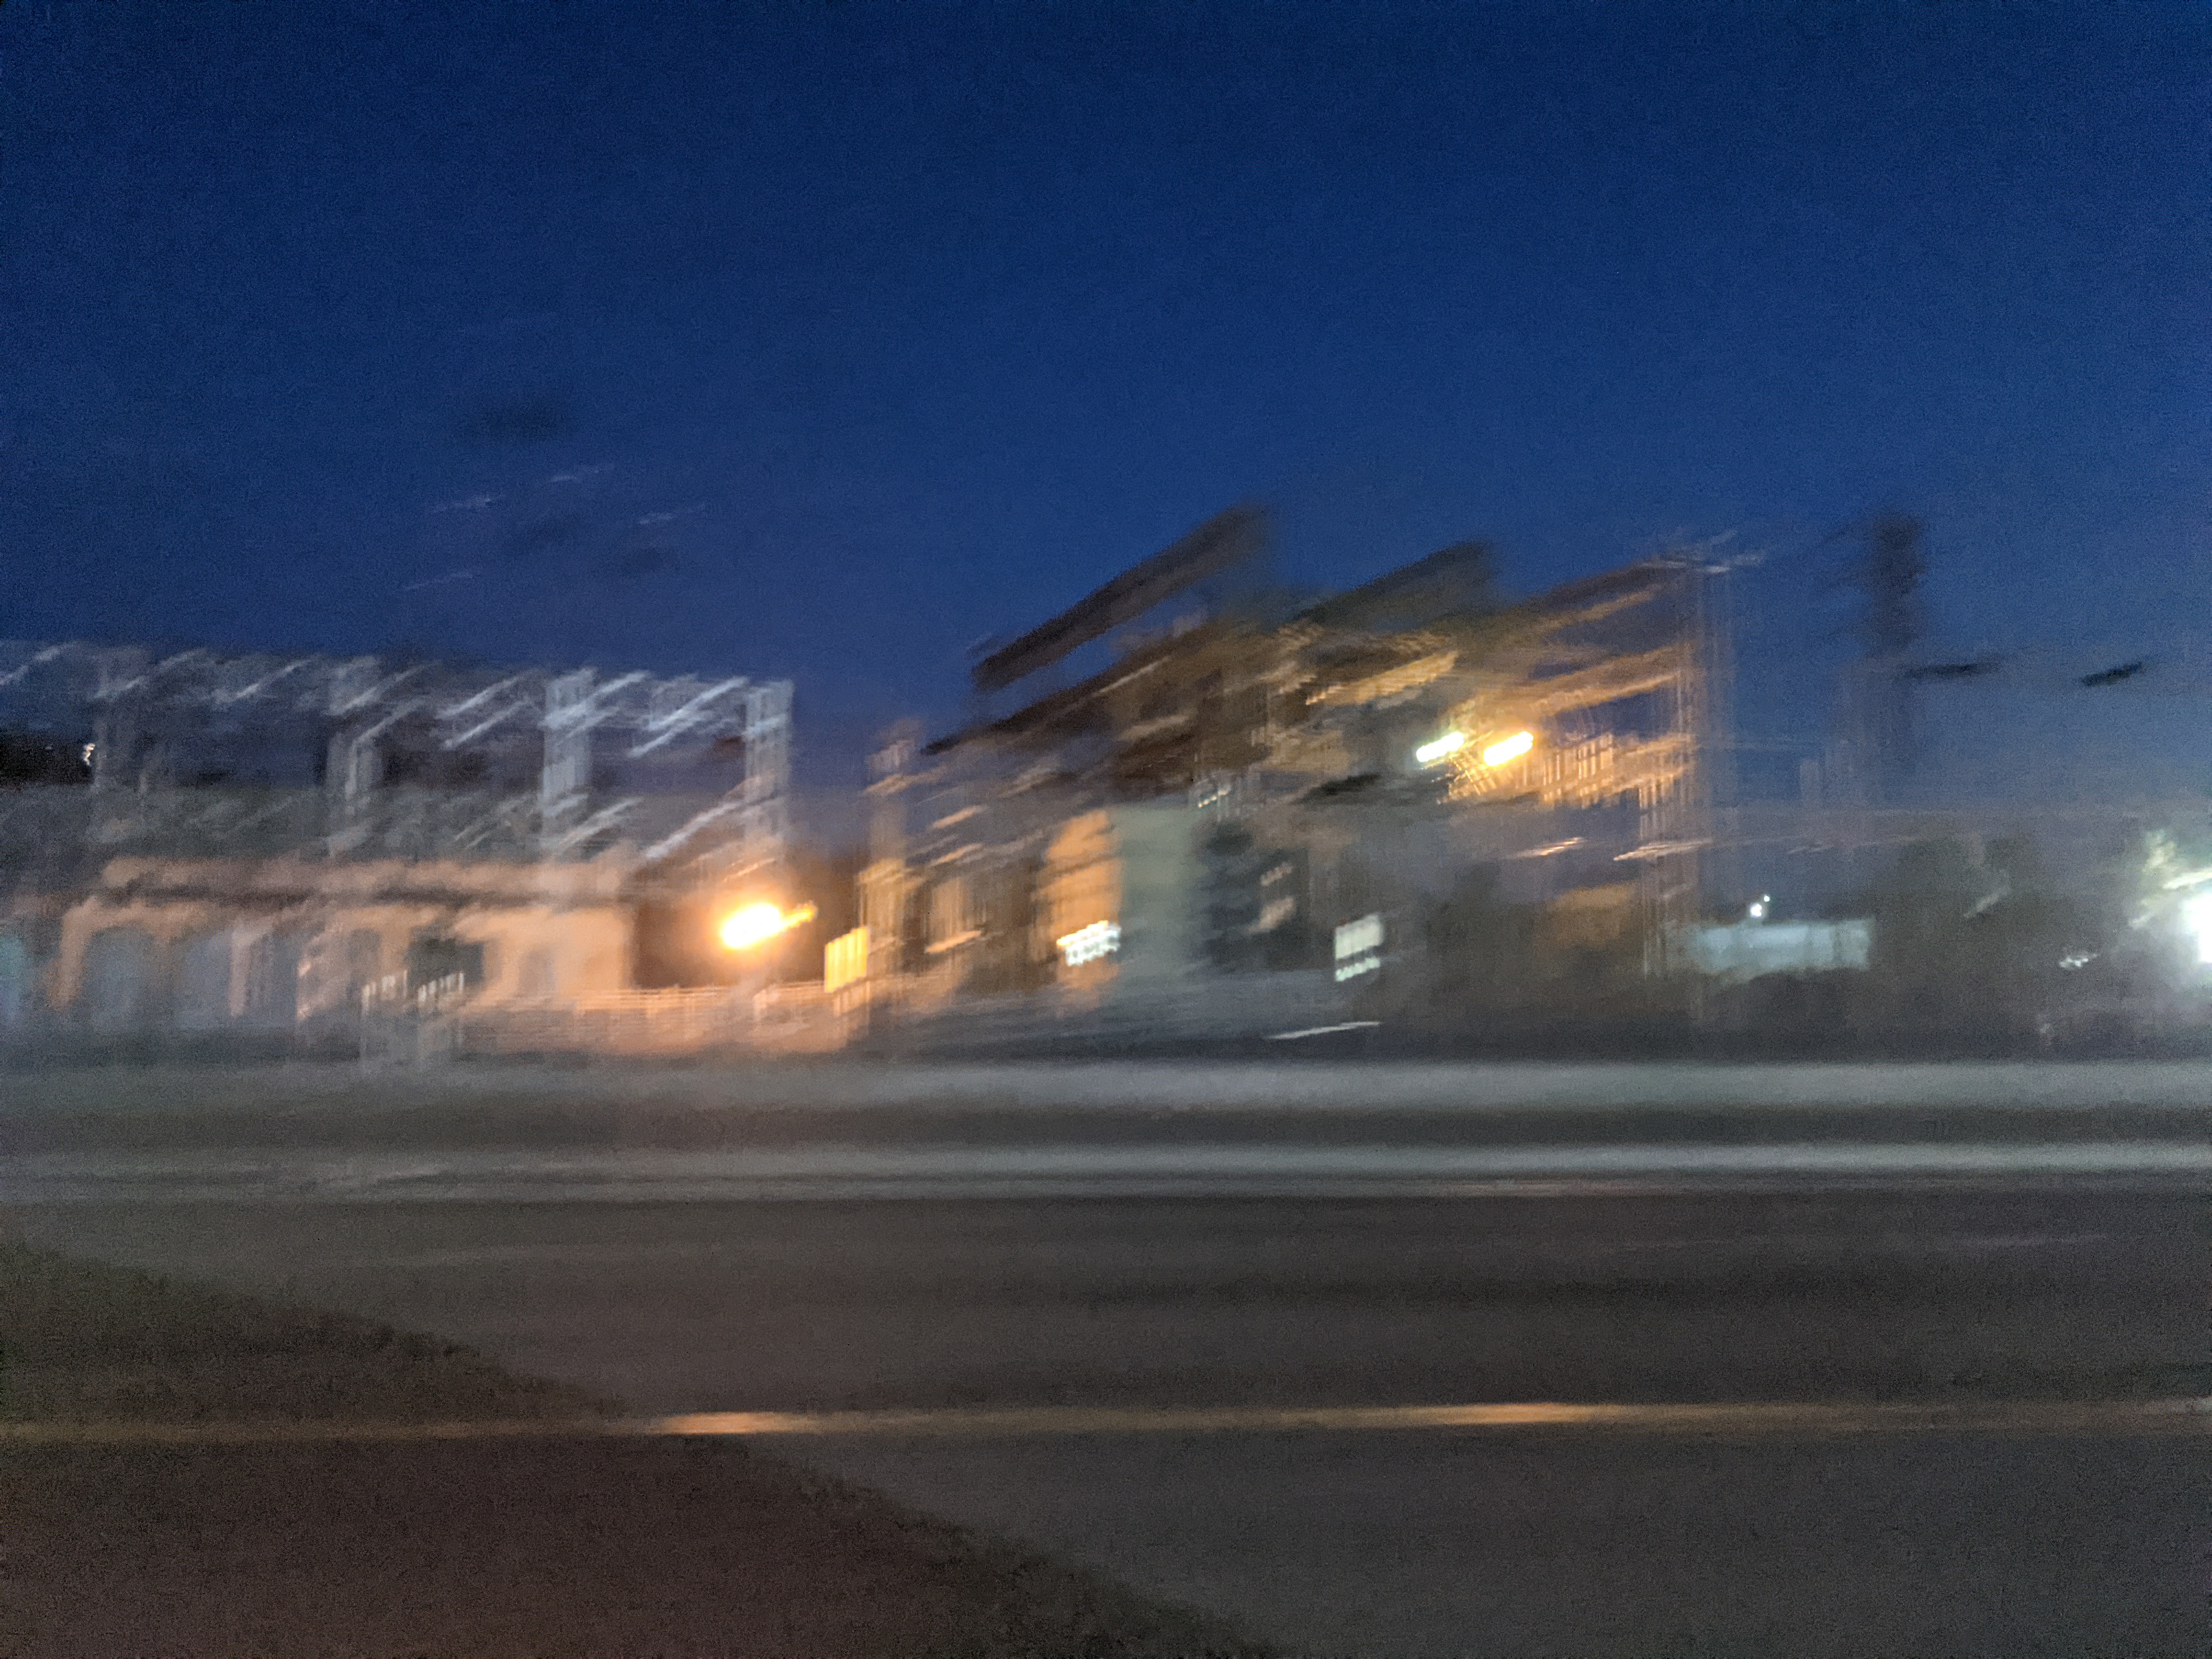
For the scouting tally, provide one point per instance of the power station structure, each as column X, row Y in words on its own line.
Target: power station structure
column 1250, row 807
column 1187, row 806
column 208, row 842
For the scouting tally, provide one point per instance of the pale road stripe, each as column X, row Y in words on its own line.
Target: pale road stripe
column 1235, row 1085
column 1797, row 1419
column 305, row 1172
column 1324, row 1031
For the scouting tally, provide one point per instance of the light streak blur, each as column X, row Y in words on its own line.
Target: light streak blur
column 1508, row 749
column 756, row 923
column 2196, row 917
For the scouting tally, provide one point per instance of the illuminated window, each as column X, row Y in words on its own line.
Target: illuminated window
column 1099, row 939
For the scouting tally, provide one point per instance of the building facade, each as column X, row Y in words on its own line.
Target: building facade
column 204, row 843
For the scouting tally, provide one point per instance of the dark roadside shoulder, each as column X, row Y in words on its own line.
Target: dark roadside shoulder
column 83, row 1342
column 554, row 1544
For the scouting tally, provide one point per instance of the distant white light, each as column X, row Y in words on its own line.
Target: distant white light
column 1430, row 753
column 2196, row 917
column 1506, row 749
column 1757, row 908
column 1099, row 939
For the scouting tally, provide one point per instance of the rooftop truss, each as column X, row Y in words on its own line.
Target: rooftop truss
column 119, row 694
column 467, row 702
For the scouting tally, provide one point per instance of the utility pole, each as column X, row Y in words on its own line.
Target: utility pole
column 1888, row 576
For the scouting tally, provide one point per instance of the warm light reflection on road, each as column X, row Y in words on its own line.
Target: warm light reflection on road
column 1798, row 1419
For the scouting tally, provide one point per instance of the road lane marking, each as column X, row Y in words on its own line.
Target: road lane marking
column 832, row 1169
column 1238, row 1085
column 1795, row 1418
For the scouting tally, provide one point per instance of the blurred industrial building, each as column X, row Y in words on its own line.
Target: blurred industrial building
column 226, row 846
column 1189, row 808
column 1229, row 826
column 1421, row 807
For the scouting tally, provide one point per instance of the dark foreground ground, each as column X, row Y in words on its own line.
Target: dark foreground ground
column 675, row 1244
column 1378, row 1543
column 492, row 1547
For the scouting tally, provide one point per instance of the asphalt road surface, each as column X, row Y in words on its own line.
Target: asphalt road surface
column 1134, row 1273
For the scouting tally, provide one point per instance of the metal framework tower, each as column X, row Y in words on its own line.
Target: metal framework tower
column 477, row 741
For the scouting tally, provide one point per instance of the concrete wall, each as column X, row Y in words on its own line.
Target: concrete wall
column 1135, row 868
column 1748, row 950
column 207, row 947
column 1162, row 919
column 18, row 984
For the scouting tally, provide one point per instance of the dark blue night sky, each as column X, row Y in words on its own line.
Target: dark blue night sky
column 824, row 338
